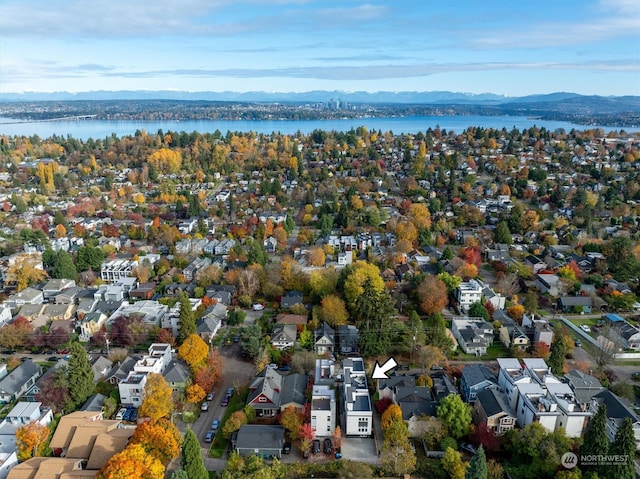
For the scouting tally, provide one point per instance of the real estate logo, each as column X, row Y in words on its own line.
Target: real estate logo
column 569, row 460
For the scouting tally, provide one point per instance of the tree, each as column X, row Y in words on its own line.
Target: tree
column 374, row 316
column 194, row 351
column 477, row 310
column 61, row 265
column 186, row 319
column 478, row 466
column 31, row 440
column 558, row 353
column 80, row 375
column 291, row 421
column 191, row 458
column 456, row 415
column 317, row 257
column 306, row 338
column 355, row 279
column 337, row 438
column 194, row 393
column 502, row 233
column 595, row 437
column 179, row 474
column 234, row 423
column 436, row 333
column 25, row 271
column 392, row 414
column 159, row 438
column 54, row 391
column 334, row 310
column 396, row 455
column 432, row 294
column 624, row 445
column 306, row 435
column 157, row 400
column 452, row 463
column 133, row 463
column 427, row 356
column 14, row 335
column 89, row 258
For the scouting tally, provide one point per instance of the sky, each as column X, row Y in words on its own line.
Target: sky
column 505, row 47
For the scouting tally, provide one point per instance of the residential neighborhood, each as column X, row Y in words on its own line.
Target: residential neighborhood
column 237, row 294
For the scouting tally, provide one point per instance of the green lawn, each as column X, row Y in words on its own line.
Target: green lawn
column 237, row 402
column 496, row 350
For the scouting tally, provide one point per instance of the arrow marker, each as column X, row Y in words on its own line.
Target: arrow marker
column 380, row 372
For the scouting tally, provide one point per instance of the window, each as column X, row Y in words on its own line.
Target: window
column 262, row 399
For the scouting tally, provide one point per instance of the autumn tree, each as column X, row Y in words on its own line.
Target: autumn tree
column 456, row 414
column 194, row 393
column 390, row 415
column 80, row 375
column 159, row 438
column 132, row 463
column 428, row 355
column 31, row 440
column 25, row 271
column 452, row 463
column 234, row 423
column 191, row 458
column 334, row 311
column 323, row 281
column 317, row 257
column 291, row 420
column 194, row 351
column 306, row 435
column 355, row 278
column 54, row 391
column 157, row 400
column 165, row 160
column 15, row 335
column 432, row 295
column 397, row 455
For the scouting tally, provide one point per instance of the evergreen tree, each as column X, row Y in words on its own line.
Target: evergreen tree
column 624, row 444
column 179, row 474
column 558, row 352
column 191, row 458
column 477, row 310
column 63, row 266
column 186, row 319
column 595, row 438
column 374, row 318
column 478, row 466
column 80, row 375
column 502, row 233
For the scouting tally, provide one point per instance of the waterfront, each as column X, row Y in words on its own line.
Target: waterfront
column 85, row 129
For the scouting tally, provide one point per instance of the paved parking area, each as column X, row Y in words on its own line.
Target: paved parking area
column 361, row 449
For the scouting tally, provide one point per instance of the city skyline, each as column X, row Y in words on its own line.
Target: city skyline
column 586, row 47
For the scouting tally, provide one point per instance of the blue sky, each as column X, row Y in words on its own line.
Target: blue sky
column 497, row 46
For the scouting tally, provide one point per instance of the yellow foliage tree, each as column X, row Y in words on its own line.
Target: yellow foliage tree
column 317, row 257
column 132, row 463
column 420, row 216
column 25, row 271
column 31, row 440
column 392, row 413
column 166, row 160
column 194, row 393
column 61, row 231
column 157, row 401
column 354, row 283
column 194, row 351
column 159, row 438
column 516, row 311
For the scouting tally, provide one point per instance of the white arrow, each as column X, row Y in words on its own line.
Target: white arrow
column 380, row 372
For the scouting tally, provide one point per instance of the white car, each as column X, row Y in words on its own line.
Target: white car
column 585, row 328
column 120, row 414
column 257, row 307
column 205, row 406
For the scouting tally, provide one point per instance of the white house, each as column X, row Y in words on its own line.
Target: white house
column 473, row 336
column 323, row 410
column 467, row 293
column 358, row 413
column 132, row 389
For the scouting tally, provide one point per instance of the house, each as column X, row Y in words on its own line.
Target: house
column 538, row 329
column 143, row 291
column 535, row 405
column 511, row 334
column 284, row 336
column 617, row 411
column 132, row 388
column 474, row 336
column 415, row 403
column 622, row 332
column 26, row 296
column 90, row 324
column 549, row 283
column 300, row 320
column 20, row 415
column 54, row 287
column 19, row 381
column 324, row 372
column 207, row 327
column 467, row 293
column 113, row 270
column 291, row 299
column 151, row 312
column 177, row 375
column 492, row 408
column 442, row 385
column 271, row 392
column 535, row 264
column 324, row 340
column 121, row 370
column 68, row 296
column 583, row 385
column 510, row 375
column 357, row 412
column 348, row 339
column 575, row 304
column 95, row 403
column 323, row 410
column 387, row 387
column 475, row 378
column 101, row 367
column 574, row 413
column 257, row 439
column 270, row 245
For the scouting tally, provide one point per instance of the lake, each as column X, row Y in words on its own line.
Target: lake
column 84, row 129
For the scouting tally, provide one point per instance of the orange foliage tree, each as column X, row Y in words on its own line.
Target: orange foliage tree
column 194, row 393
column 132, row 463
column 209, row 372
column 158, row 398
column 432, row 294
column 392, row 413
column 159, row 438
column 31, row 440
column 194, row 351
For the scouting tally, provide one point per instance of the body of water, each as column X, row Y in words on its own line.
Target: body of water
column 84, row 129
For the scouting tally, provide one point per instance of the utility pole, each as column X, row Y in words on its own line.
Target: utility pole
column 106, row 341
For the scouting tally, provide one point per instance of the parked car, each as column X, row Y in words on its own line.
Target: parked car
column 210, row 396
column 257, row 307
column 465, row 446
column 578, row 343
column 286, row 448
column 315, row 447
column 585, row 328
column 328, row 447
column 215, row 424
column 53, row 359
column 128, row 414
column 208, row 437
column 273, row 366
column 230, row 392
column 120, row 414
column 225, row 401
column 205, row 406
column 285, row 368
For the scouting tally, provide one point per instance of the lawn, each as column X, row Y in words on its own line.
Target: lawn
column 496, row 350
column 219, row 444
